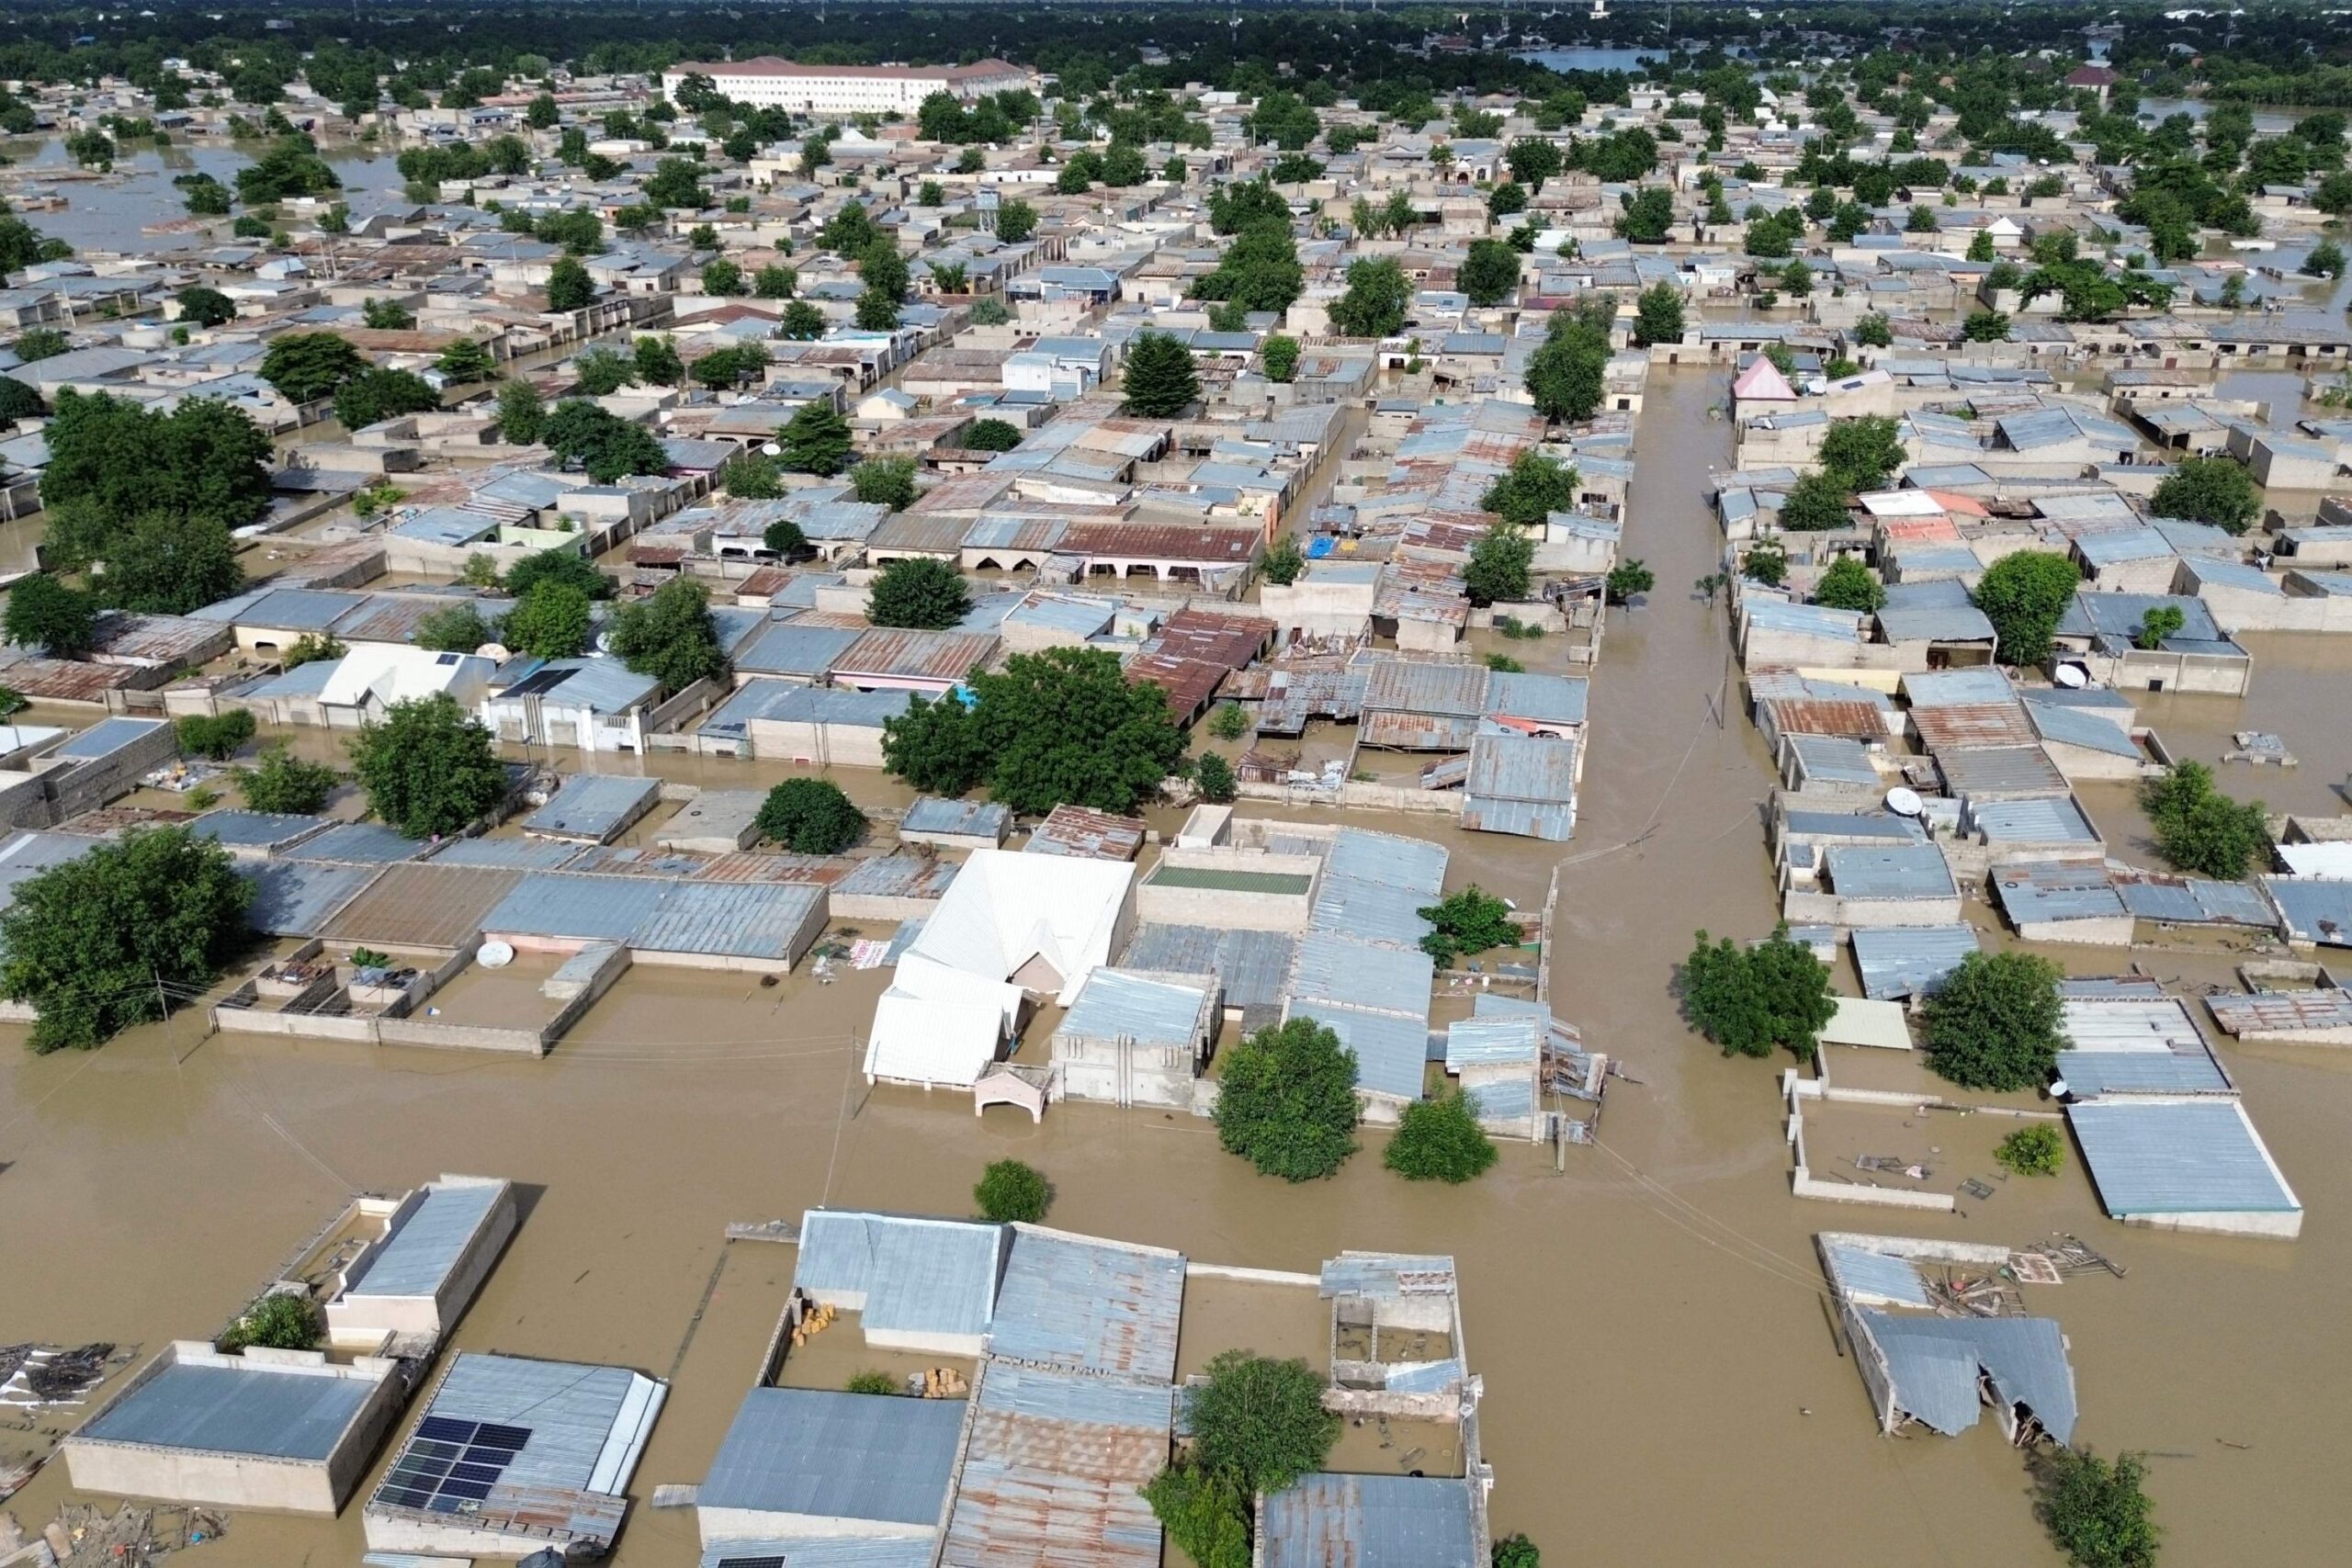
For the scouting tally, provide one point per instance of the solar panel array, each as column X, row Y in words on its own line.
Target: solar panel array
column 449, row 1465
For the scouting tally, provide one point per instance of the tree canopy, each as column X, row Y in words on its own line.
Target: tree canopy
column 1996, row 1022
column 1009, row 1191
column 1496, row 571
column 670, row 636
column 2201, row 830
column 1260, row 1422
column 1658, row 315
column 306, row 367
column 1467, row 922
column 2023, row 594
column 98, row 943
column 44, row 613
column 556, row 565
column 1159, row 380
column 1752, row 1000
column 1373, row 303
column 1536, row 485
column 608, row 446
column 1849, row 585
column 810, row 816
column 929, row 595
column 429, row 770
column 2210, row 490
column 1287, row 1100
column 113, row 463
column 1439, row 1140
column 816, row 440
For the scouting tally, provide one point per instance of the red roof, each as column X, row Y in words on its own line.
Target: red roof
column 770, row 65
column 2090, row 76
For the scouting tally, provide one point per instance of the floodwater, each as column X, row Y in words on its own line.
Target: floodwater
column 108, row 212
column 1649, row 1322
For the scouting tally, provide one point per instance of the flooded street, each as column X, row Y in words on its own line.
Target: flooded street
column 1662, row 1385
column 110, row 212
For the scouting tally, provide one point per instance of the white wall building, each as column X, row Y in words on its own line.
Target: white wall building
column 833, row 90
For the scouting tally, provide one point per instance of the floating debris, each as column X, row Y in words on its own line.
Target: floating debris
column 2259, row 747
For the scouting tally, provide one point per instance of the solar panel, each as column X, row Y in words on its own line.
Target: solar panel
column 477, row 1490
column 511, row 1439
column 447, row 1430
column 750, row 1562
column 449, row 1464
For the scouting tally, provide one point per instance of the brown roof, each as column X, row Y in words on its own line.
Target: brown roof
column 66, row 680
column 1081, row 831
column 423, row 905
column 1160, row 541
column 1827, row 716
column 1973, row 724
column 915, row 655
column 1189, row 682
column 771, row 65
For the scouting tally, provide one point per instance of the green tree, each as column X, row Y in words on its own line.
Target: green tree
column 1517, row 1552
column 774, row 282
column 1159, row 380
column 377, row 394
column 2038, row 1150
column 1565, row 376
column 387, row 315
column 1439, row 1140
column 609, row 447
column 670, row 636
column 215, row 736
column 2201, row 830
column 1766, row 563
column 991, row 435
column 1996, row 1022
column 1260, row 1422
column 1280, row 356
column 885, row 481
column 18, row 402
column 1490, row 272
column 1536, row 485
column 94, row 943
column 2023, row 594
column 815, row 441
column 202, row 307
column 1469, row 921
column 552, row 621
column 1753, row 1000
column 1206, row 1517
column 1016, row 220
column 1849, row 585
column 311, row 648
column 2324, row 259
column 306, row 367
column 2099, row 1514
column 810, row 816
column 1986, row 326
column 1628, row 578
column 1862, row 453
column 1658, row 315
column 428, row 769
column 936, row 746
column 570, row 287
column 600, row 372
column 1009, row 1191
column 1287, row 1102
column 918, row 592
column 723, row 278
column 169, row 566
column 45, row 614
column 1213, row 776
column 801, row 322
column 1260, row 270
column 455, row 628
column 1874, row 331
column 1284, row 561
column 466, row 361
column 784, row 539
column 657, row 360
column 2210, row 490
column 1373, row 304
column 1496, row 571
column 282, row 1320
column 1065, row 724
column 556, row 565
column 2157, row 623
column 279, row 781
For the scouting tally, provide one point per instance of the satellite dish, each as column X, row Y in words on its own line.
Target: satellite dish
column 494, row 650
column 1905, row 802
column 2071, row 676
column 772, row 449
column 494, row 955
column 2058, row 1089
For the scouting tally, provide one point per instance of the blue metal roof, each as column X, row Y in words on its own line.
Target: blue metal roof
column 1933, row 1365
column 1902, row 871
column 1376, row 911
column 785, row 648
column 1114, row 1004
column 934, row 814
column 1392, row 1054
column 507, row 854
column 2049, row 820
column 1492, row 1041
column 1879, row 1275
column 824, row 1551
column 2316, row 909
column 2091, row 1075
column 107, row 736
column 1055, row 1470
column 254, row 830
column 570, row 1410
column 2166, row 1157
column 731, row 920
column 239, row 1410
column 361, row 844
column 1388, row 860
column 1336, row 968
column 298, row 898
column 1903, row 960
column 415, row 1260
column 917, row 1275
column 818, row 1454
column 1094, row 1306
column 1251, row 966
column 1369, row 1522
column 2067, row 890
column 2193, row 900
column 594, row 806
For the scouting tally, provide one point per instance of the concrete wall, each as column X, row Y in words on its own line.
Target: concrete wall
column 1223, row 907
column 364, row 1318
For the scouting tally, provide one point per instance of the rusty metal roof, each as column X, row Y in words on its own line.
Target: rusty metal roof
column 423, row 905
column 1084, row 831
column 1973, row 724
column 904, row 654
column 1162, row 541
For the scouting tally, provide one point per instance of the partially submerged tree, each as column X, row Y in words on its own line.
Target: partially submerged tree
column 1062, row 725
column 670, row 636
column 1260, row 1422
column 2024, row 594
column 1994, row 1024
column 1439, row 1140
column 45, row 614
column 215, row 736
column 1753, row 1000
column 282, row 1320
column 1010, row 1191
column 428, row 769
column 2038, row 1150
column 919, row 593
column 2210, row 490
column 810, row 816
column 2099, row 1514
column 1498, row 569
column 279, row 781
column 2201, row 830
column 98, row 942
column 1471, row 920
column 1536, row 485
column 1287, row 1100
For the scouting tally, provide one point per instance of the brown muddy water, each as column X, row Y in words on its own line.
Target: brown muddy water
column 1661, row 1383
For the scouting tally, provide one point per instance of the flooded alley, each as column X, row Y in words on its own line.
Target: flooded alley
column 1663, row 1385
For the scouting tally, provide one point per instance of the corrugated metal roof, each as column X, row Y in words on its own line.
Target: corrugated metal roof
column 2153, row 1156
column 1954, row 726
column 1054, row 1472
column 423, row 905
column 1933, row 1365
column 2094, row 1074
column 731, row 920
column 976, row 819
column 1966, row 686
column 594, row 806
column 591, row 908
column 362, row 843
column 824, row 1551
column 2063, row 891
column 2054, row 819
column 1386, row 1276
column 240, row 1410
column 256, row 830
column 917, row 1275
column 570, row 1410
column 1984, row 770
column 1392, row 1053
column 789, row 648
column 1553, row 699
column 818, row 1454
column 1252, row 967
column 1833, row 758
column 1089, row 1305
column 296, row 898
column 1520, row 784
column 1904, row 960
column 2282, row 1011
column 1336, row 968
column 1869, row 826
column 415, row 1260
column 1443, row 688
column 2316, row 909
column 1497, row 1041
column 1877, row 1275
column 1369, row 1522
column 508, row 854
column 1150, row 1009
column 1902, row 871
column 2191, row 900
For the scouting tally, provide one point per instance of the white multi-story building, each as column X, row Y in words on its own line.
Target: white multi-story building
column 768, row 82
